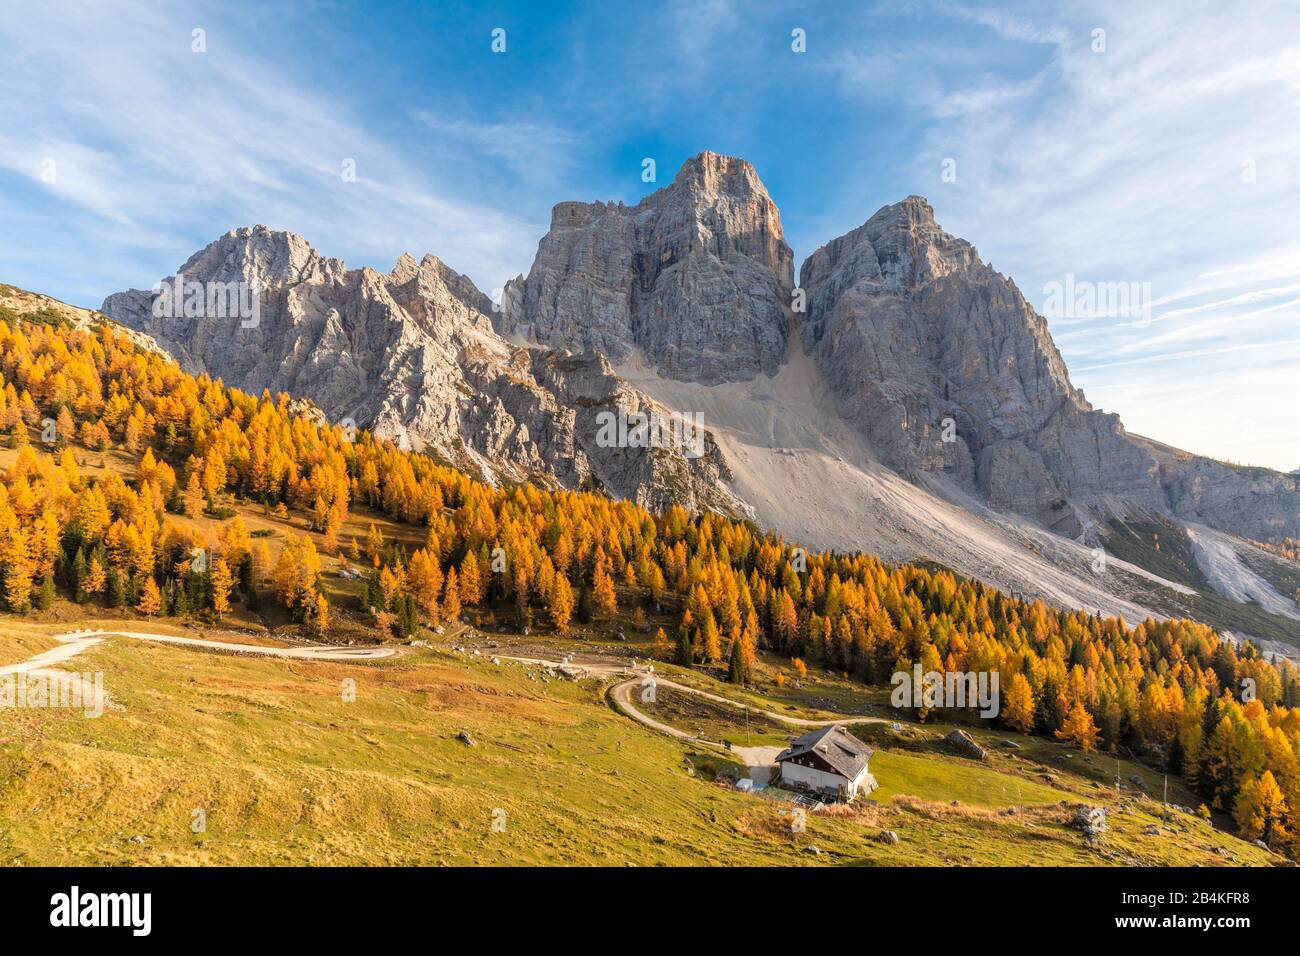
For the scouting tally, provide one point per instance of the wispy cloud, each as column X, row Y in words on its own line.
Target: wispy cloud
column 530, row 150
column 156, row 140
column 1008, row 25
column 1160, row 150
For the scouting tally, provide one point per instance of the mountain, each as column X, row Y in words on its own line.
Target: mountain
column 905, row 400
column 912, row 328
column 413, row 356
column 697, row 277
column 917, row 406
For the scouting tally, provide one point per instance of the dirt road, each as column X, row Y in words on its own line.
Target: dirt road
column 294, row 653
column 758, row 760
column 42, row 665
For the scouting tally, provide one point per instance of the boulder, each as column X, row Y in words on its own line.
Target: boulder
column 1090, row 821
column 966, row 745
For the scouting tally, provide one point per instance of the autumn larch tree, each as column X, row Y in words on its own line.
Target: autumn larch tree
column 95, row 578
column 150, row 598
column 1018, row 704
column 194, row 496
column 1261, row 810
column 319, row 618
column 603, row 594
column 1079, row 729
column 561, row 603
column 451, row 597
column 222, row 581
column 659, row 649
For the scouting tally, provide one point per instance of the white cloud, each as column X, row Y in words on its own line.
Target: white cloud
column 1007, row 25
column 530, row 150
column 173, row 147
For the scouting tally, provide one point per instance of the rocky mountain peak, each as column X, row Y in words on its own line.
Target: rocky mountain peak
column 917, row 207
column 405, row 268
column 913, row 331
column 732, row 211
column 900, row 247
column 714, row 174
column 270, row 257
column 696, row 276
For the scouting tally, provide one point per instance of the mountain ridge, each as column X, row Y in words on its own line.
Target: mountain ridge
column 929, row 355
column 412, row 355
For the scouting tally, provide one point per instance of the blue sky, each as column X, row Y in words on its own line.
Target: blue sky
column 1167, row 156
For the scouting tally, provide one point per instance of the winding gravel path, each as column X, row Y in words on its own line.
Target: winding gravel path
column 86, row 638
column 75, row 642
column 758, row 760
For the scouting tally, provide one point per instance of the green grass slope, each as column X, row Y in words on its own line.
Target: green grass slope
column 288, row 771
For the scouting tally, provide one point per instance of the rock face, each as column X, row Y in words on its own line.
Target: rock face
column 1257, row 503
column 413, row 356
column 697, row 276
column 932, row 356
column 942, row 364
column 585, row 391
